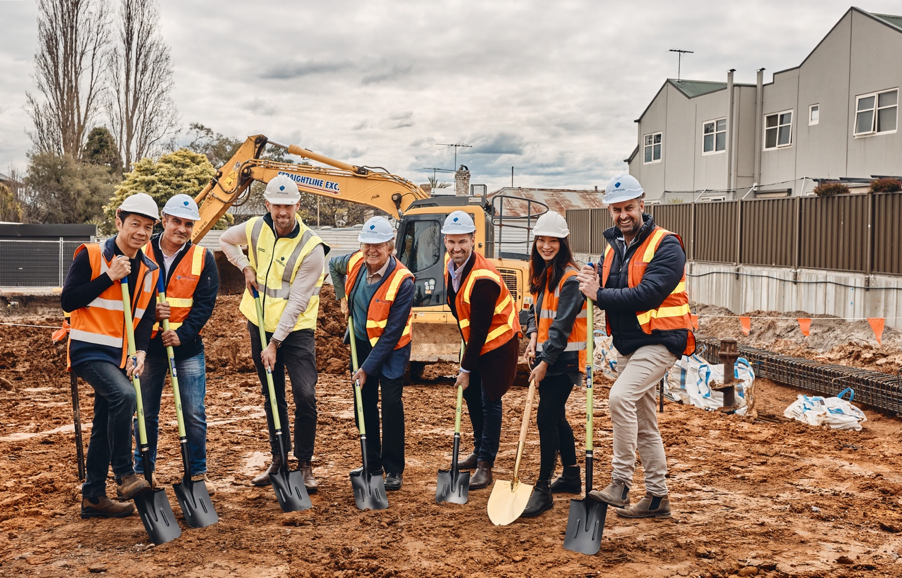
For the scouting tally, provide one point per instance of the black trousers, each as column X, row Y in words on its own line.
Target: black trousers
column 555, row 433
column 385, row 451
column 298, row 355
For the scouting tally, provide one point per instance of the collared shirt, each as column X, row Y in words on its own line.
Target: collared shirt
column 169, row 259
column 455, row 272
column 378, row 275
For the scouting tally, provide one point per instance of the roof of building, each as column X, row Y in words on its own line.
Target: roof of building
column 560, row 200
column 889, row 19
column 693, row 88
column 3, row 177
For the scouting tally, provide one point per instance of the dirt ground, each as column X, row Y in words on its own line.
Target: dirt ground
column 765, row 497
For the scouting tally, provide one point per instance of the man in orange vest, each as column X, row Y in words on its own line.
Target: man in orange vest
column 643, row 293
column 378, row 291
column 98, row 348
column 487, row 317
column 192, row 283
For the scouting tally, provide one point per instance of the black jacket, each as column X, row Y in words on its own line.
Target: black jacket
column 621, row 302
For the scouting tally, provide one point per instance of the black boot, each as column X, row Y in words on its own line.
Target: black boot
column 539, row 501
column 569, row 482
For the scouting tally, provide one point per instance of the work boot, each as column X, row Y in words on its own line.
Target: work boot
column 132, row 485
column 307, row 475
column 153, row 484
column 393, row 482
column 482, row 477
column 648, row 507
column 569, row 482
column 616, row 494
column 539, row 501
column 263, row 480
column 373, row 472
column 469, row 463
column 103, row 507
column 211, row 489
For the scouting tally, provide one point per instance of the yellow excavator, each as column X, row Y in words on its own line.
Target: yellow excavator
column 435, row 336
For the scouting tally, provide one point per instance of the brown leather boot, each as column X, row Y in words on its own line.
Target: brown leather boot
column 469, row 463
column 307, row 474
column 262, row 480
column 482, row 477
column 103, row 507
column 131, row 485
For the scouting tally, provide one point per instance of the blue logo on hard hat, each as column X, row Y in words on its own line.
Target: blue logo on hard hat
column 282, row 188
column 372, row 227
column 455, row 219
column 617, row 185
column 185, row 203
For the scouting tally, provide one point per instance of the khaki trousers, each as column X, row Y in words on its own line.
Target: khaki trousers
column 632, row 406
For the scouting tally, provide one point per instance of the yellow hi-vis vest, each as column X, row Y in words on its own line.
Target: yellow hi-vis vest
column 276, row 262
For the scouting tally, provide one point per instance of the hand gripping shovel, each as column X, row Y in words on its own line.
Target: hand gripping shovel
column 585, row 523
column 156, row 513
column 193, row 497
column 453, row 485
column 369, row 490
column 509, row 499
column 289, row 486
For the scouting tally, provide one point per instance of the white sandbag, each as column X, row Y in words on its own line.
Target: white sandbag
column 689, row 381
column 836, row 412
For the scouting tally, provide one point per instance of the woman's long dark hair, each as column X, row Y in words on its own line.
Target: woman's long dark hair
column 538, row 271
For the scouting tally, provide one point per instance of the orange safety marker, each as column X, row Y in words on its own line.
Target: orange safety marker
column 877, row 327
column 746, row 323
column 694, row 321
column 804, row 325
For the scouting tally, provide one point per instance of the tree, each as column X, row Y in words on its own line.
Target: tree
column 181, row 172
column 59, row 189
column 217, row 148
column 72, row 45
column 100, row 149
column 10, row 209
column 435, row 184
column 140, row 76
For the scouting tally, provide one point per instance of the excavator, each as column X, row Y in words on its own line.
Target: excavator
column 435, row 336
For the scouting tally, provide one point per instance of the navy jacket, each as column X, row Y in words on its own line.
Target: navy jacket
column 621, row 302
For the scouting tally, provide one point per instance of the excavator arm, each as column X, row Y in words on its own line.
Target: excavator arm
column 367, row 186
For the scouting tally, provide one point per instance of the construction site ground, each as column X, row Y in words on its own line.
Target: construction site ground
column 750, row 498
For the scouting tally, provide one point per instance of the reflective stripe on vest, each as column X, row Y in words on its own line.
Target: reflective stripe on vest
column 574, row 353
column 276, row 262
column 181, row 285
column 673, row 313
column 505, row 323
column 381, row 303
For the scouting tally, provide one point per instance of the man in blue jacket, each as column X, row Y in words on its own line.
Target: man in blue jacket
column 641, row 286
column 380, row 293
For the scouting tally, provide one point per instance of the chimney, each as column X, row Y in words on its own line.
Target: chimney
column 462, row 182
column 759, row 122
column 427, row 188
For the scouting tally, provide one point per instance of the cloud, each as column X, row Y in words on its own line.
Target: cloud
column 399, row 120
column 294, row 70
column 394, row 73
column 261, row 107
column 361, row 125
column 498, row 144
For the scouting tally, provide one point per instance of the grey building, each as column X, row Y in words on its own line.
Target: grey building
column 835, row 116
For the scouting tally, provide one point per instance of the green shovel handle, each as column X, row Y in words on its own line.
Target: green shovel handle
column 173, row 374
column 358, row 399
column 590, row 362
column 277, row 423
column 130, row 336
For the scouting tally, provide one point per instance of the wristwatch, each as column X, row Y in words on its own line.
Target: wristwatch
column 275, row 342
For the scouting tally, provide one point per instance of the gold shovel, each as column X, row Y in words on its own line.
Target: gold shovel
column 509, row 499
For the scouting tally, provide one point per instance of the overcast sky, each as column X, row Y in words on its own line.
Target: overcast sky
column 551, row 88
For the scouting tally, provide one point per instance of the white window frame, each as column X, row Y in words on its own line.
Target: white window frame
column 714, row 134
column 652, row 145
column 811, row 108
column 777, row 128
column 876, row 112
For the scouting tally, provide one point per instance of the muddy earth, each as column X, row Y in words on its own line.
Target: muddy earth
column 750, row 498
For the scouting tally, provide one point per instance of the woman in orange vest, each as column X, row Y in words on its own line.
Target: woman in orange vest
column 557, row 349
column 380, row 293
column 98, row 348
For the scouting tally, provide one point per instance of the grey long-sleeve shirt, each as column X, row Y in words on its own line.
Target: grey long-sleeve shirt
column 302, row 288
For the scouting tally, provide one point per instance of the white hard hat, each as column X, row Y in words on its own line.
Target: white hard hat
column 458, row 223
column 551, row 224
column 141, row 204
column 621, row 188
column 376, row 230
column 282, row 190
column 182, row 206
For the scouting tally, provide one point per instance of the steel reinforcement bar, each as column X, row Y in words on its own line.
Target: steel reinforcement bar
column 876, row 389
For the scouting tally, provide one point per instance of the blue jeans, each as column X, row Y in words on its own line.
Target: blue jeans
column 111, row 440
column 192, row 388
column 485, row 416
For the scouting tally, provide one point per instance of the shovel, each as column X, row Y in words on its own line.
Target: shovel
column 289, row 486
column 369, row 490
column 156, row 513
column 453, row 485
column 509, row 499
column 585, row 523
column 193, row 498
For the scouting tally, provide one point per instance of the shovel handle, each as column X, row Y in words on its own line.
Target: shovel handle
column 271, row 389
column 590, row 364
column 523, row 427
column 173, row 374
column 353, row 341
column 130, row 336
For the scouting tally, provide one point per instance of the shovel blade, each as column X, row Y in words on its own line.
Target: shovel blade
column 290, row 491
column 451, row 489
column 196, row 505
column 157, row 516
column 507, row 502
column 369, row 491
column 585, row 526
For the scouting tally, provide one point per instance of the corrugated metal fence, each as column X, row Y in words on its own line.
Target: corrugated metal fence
column 35, row 263
column 859, row 233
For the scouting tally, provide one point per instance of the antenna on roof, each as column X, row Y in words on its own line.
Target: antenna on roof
column 680, row 54
column 456, row 146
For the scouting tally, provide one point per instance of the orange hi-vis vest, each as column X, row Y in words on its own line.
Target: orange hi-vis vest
column 100, row 326
column 574, row 354
column 505, row 323
column 181, row 284
column 380, row 305
column 673, row 313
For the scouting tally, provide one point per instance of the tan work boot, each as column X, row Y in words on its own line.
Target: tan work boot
column 103, row 507
column 307, row 474
column 648, row 507
column 616, row 494
column 211, row 489
column 482, row 477
column 131, row 485
column 262, row 480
